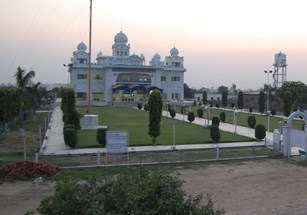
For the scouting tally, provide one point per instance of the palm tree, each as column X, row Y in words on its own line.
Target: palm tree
column 23, row 80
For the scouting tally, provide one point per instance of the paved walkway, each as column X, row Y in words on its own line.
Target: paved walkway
column 54, row 144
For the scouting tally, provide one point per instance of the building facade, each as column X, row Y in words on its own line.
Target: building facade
column 123, row 77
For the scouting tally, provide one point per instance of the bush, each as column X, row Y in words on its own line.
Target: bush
column 169, row 108
column 199, row 103
column 215, row 133
column 146, row 107
column 191, row 116
column 73, row 117
column 251, row 121
column 70, row 137
column 215, row 121
column 194, row 103
column 101, row 136
column 140, row 106
column 136, row 191
column 200, row 112
column 260, row 132
column 303, row 127
column 222, row 116
column 217, row 105
column 173, row 113
column 273, row 112
column 250, row 109
column 71, row 126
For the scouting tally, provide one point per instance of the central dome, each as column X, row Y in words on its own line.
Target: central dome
column 156, row 57
column 81, row 47
column 121, row 38
column 174, row 52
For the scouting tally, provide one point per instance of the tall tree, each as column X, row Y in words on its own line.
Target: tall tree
column 34, row 97
column 205, row 99
column 23, row 80
column 155, row 114
column 287, row 99
column 188, row 92
column 224, row 98
column 234, row 89
column 240, row 100
column 261, row 101
column 221, row 88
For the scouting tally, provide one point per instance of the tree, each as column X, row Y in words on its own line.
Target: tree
column 146, row 107
column 260, row 132
column 23, row 80
column 234, row 89
column 250, row 109
column 155, row 114
column 173, row 113
column 205, row 99
column 136, row 191
column 251, row 121
column 221, row 88
column 191, row 117
column 188, row 92
column 200, row 112
column 139, row 106
column 223, row 116
column 101, row 136
column 287, row 99
column 240, row 100
column 215, row 133
column 224, row 98
column 261, row 101
column 215, row 121
column 298, row 91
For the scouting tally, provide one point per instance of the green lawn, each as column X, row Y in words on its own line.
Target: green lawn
column 242, row 117
column 136, row 123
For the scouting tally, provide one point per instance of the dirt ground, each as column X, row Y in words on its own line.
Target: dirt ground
column 251, row 187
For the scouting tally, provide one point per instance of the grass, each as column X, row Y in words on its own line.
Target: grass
column 242, row 117
column 136, row 123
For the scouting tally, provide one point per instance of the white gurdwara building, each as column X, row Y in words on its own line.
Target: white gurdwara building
column 123, row 78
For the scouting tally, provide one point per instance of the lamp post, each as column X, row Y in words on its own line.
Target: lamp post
column 269, row 114
column 235, row 112
column 280, row 125
column 267, row 94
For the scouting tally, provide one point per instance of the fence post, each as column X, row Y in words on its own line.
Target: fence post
column 36, row 157
column 253, row 151
column 98, row 158
column 217, row 152
column 180, row 155
column 141, row 158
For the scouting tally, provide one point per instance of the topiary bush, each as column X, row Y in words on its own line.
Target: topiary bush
column 217, row 105
column 215, row 133
column 101, row 136
column 215, row 121
column 70, row 137
column 250, row 109
column 140, row 106
column 200, row 112
column 173, row 113
column 273, row 112
column 260, row 132
column 251, row 121
column 223, row 116
column 194, row 103
column 146, row 107
column 191, row 117
column 71, row 126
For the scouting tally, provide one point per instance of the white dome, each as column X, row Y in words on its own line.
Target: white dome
column 174, row 52
column 81, row 47
column 156, row 57
column 121, row 38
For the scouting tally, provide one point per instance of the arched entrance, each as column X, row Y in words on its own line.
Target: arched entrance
column 293, row 137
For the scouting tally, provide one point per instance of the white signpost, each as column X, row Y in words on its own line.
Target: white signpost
column 117, row 142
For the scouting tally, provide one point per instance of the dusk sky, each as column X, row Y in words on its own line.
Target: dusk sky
column 222, row 42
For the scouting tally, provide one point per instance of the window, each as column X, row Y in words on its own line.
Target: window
column 98, row 97
column 133, row 78
column 117, row 53
column 83, row 61
column 81, row 76
column 175, row 78
column 81, row 96
column 126, row 53
column 163, row 78
column 175, row 96
column 97, row 77
column 176, row 64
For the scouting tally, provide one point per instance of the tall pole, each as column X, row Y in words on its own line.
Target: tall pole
column 89, row 61
column 267, row 94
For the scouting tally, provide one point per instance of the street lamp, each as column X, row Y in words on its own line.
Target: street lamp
column 269, row 114
column 267, row 94
column 235, row 112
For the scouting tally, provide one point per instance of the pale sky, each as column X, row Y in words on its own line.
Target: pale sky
column 222, row 41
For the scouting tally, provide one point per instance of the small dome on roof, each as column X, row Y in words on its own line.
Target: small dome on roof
column 121, row 38
column 156, row 57
column 174, row 52
column 81, row 47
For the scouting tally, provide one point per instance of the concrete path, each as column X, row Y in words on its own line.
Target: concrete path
column 54, row 144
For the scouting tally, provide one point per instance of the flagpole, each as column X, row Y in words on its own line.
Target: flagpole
column 89, row 61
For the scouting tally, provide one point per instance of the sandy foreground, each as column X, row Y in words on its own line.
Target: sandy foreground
column 251, row 187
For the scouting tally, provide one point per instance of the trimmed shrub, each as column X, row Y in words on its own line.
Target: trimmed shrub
column 101, row 136
column 232, row 105
column 215, row 121
column 217, row 105
column 273, row 112
column 199, row 103
column 169, row 108
column 191, row 117
column 173, row 113
column 70, row 137
column 140, row 106
column 183, row 110
column 194, row 103
column 250, row 109
column 73, row 117
column 215, row 133
column 251, row 121
column 200, row 112
column 146, row 107
column 260, row 132
column 303, row 127
column 223, row 116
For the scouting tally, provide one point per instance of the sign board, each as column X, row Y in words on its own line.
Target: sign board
column 117, row 141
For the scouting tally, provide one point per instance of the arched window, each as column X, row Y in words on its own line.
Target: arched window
column 137, row 78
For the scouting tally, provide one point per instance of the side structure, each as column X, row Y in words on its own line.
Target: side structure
column 123, row 78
